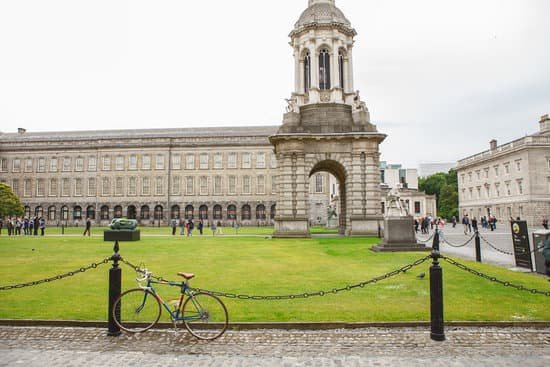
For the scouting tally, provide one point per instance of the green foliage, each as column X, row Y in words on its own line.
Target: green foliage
column 9, row 202
column 445, row 187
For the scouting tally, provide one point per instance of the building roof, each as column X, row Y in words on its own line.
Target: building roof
column 197, row 132
column 323, row 12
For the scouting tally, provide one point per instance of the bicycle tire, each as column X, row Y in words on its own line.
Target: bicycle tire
column 140, row 310
column 205, row 316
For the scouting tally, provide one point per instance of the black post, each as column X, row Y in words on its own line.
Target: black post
column 436, row 299
column 435, row 244
column 62, row 228
column 478, row 247
column 115, row 276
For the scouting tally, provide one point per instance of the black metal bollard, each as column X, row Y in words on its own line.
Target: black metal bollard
column 115, row 276
column 435, row 244
column 478, row 247
column 436, row 299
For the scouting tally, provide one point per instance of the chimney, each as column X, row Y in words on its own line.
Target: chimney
column 544, row 124
column 21, row 130
column 493, row 144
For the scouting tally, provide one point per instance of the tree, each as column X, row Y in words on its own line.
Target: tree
column 10, row 205
column 445, row 188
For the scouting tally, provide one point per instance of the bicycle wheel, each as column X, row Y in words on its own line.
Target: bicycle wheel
column 204, row 316
column 139, row 310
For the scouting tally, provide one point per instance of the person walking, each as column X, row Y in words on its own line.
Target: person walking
column 474, row 224
column 36, row 222
column 182, row 226
column 174, row 225
column 42, row 225
column 190, row 227
column 200, row 226
column 88, row 229
column 466, row 223
column 453, row 220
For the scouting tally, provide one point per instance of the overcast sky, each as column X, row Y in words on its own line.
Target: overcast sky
column 440, row 77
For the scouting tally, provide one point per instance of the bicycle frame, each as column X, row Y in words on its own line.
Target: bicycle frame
column 185, row 291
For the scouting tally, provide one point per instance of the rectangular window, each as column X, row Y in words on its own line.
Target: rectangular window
column 204, row 185
column 159, row 186
column 497, row 189
column 4, row 165
column 40, row 187
column 53, row 165
column 16, row 167
column 106, row 163
column 246, row 185
column 218, row 185
column 92, row 164
column 478, row 175
column 176, row 185
column 105, row 187
column 247, row 160
column 176, row 161
column 520, row 187
column 133, row 162
column 487, row 191
column 65, row 187
column 41, row 165
column 417, row 207
column 496, row 171
column 318, row 183
column 260, row 160
column 478, row 192
column 518, row 165
column 28, row 165
column 507, row 168
column 77, row 187
column 159, row 162
column 203, row 161
column 91, row 187
column 119, row 163
column 261, row 185
column 146, row 186
column 469, row 176
column 119, row 186
column 231, row 185
column 189, row 161
column 486, row 170
column 79, row 164
column 146, row 162
column 27, row 187
column 67, row 164
column 189, row 189
column 15, row 187
column 232, row 160
column 218, row 161
column 508, row 192
column 132, row 186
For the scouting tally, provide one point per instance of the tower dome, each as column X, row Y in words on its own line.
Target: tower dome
column 321, row 12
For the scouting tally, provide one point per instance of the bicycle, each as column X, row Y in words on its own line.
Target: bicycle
column 137, row 310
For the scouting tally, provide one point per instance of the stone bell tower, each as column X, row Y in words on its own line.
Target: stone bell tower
column 326, row 128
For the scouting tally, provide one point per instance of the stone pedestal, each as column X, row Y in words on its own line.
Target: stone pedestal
column 291, row 228
column 121, row 235
column 399, row 236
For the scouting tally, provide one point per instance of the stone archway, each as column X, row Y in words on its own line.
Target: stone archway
column 353, row 158
column 339, row 172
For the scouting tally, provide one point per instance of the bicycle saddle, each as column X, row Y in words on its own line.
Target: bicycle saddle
column 187, row 275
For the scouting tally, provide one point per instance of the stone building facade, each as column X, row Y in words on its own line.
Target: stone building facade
column 510, row 180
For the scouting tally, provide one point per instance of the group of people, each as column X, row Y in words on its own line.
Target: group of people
column 23, row 226
column 427, row 223
column 473, row 224
column 186, row 226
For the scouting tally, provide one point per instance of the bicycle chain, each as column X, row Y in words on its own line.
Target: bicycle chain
column 302, row 295
column 494, row 279
column 57, row 277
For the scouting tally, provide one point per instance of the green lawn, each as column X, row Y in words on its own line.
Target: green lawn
column 259, row 266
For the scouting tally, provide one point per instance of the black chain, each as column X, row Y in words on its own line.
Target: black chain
column 494, row 279
column 523, row 252
column 427, row 240
column 443, row 239
column 319, row 293
column 57, row 277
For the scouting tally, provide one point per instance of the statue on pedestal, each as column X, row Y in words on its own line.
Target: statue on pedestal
column 394, row 207
column 331, row 213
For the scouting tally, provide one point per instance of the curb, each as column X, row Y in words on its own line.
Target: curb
column 294, row 325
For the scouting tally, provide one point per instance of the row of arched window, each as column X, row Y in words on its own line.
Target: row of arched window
column 145, row 212
column 324, row 70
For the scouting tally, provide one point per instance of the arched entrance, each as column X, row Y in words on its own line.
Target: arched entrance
column 338, row 211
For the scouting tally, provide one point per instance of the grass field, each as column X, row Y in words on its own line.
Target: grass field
column 258, row 266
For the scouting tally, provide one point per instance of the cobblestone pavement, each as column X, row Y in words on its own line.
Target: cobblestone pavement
column 40, row 346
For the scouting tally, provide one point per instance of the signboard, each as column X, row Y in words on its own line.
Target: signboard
column 520, row 239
